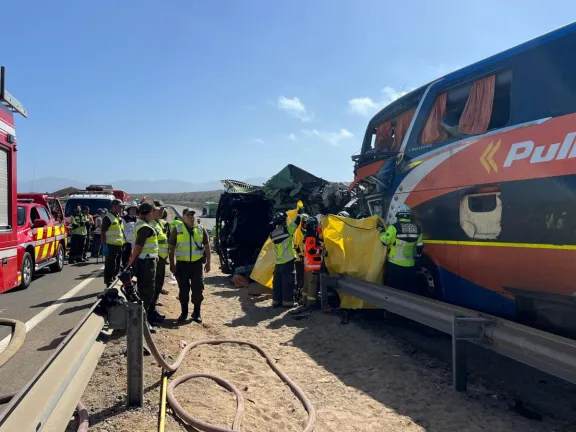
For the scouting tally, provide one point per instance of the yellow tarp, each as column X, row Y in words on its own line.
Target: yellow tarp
column 263, row 271
column 354, row 249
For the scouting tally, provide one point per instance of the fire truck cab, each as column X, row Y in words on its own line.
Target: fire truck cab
column 41, row 236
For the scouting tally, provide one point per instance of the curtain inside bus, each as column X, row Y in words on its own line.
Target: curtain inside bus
column 433, row 132
column 384, row 137
column 402, row 124
column 478, row 110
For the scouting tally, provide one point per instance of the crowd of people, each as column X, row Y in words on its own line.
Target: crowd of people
column 138, row 241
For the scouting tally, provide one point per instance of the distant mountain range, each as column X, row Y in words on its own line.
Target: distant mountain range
column 52, row 184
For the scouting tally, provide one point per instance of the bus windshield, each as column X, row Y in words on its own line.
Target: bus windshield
column 94, row 205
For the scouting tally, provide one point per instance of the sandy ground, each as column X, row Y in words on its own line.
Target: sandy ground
column 365, row 376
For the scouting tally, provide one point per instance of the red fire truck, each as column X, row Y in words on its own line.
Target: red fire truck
column 32, row 235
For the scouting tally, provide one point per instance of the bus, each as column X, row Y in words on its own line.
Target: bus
column 485, row 157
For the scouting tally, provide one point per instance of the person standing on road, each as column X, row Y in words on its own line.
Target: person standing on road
column 160, row 225
column 79, row 231
column 283, row 238
column 405, row 244
column 113, row 241
column 89, row 226
column 144, row 257
column 129, row 221
column 96, row 234
column 189, row 248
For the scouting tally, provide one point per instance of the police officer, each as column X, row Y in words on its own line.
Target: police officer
column 79, row 231
column 161, row 227
column 189, row 248
column 144, row 257
column 405, row 244
column 283, row 238
column 113, row 241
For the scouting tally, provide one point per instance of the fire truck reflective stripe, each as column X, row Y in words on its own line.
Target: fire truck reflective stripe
column 503, row 244
column 57, row 230
column 49, row 232
column 7, row 253
column 52, row 248
column 39, row 233
column 45, row 250
column 36, row 252
column 19, row 278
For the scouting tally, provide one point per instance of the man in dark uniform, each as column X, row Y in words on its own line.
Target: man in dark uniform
column 144, row 257
column 189, row 248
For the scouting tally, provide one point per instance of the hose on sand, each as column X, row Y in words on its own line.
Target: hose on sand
column 17, row 340
column 202, row 426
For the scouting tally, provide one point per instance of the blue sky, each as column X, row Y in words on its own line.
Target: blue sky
column 231, row 89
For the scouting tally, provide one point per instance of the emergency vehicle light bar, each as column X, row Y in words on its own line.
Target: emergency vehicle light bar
column 7, row 99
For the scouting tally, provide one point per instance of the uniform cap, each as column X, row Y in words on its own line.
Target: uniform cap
column 159, row 204
column 118, row 202
column 146, row 207
column 188, row 210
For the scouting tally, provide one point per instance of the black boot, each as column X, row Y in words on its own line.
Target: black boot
column 196, row 316
column 184, row 315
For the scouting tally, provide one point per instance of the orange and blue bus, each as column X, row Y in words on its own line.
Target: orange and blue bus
column 486, row 158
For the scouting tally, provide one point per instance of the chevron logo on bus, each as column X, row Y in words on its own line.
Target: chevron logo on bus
column 543, row 153
column 486, row 159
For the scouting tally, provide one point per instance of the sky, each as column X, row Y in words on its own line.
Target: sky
column 204, row 90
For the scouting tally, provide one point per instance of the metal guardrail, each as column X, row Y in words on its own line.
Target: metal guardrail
column 547, row 352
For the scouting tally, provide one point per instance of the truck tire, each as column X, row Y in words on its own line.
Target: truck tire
column 428, row 282
column 27, row 270
column 59, row 264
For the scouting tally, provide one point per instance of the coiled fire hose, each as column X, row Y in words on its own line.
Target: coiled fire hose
column 16, row 342
column 205, row 427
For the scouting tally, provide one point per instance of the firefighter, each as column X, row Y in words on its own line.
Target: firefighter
column 113, row 241
column 160, row 225
column 405, row 244
column 129, row 221
column 283, row 238
column 79, row 232
column 299, row 262
column 188, row 249
column 144, row 257
column 313, row 258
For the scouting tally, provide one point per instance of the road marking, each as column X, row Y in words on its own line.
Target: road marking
column 46, row 312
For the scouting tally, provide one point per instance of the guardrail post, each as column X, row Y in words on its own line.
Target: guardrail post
column 464, row 329
column 135, row 354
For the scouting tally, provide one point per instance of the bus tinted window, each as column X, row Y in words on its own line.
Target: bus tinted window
column 545, row 81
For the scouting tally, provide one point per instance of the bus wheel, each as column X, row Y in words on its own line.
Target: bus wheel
column 27, row 270
column 427, row 280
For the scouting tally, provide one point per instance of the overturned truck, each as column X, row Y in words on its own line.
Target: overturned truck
column 245, row 212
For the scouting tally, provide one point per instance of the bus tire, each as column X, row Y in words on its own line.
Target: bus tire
column 428, row 281
column 59, row 264
column 27, row 270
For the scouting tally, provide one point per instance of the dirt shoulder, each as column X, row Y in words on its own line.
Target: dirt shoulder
column 360, row 377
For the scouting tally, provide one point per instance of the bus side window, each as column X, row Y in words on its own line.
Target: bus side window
column 481, row 215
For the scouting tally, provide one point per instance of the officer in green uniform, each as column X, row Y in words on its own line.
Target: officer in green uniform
column 144, row 257
column 161, row 227
column 79, row 232
column 189, row 248
column 283, row 238
column 405, row 244
column 113, row 241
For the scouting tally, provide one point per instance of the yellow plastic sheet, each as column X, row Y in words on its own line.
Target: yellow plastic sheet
column 354, row 249
column 263, row 271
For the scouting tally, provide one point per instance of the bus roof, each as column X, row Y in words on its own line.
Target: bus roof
column 412, row 97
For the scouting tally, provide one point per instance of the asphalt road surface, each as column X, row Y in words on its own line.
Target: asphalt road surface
column 208, row 223
column 51, row 307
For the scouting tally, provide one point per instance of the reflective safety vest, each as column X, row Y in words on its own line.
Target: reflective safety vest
column 189, row 248
column 162, row 239
column 312, row 254
column 79, row 225
column 115, row 232
column 404, row 240
column 150, row 249
column 283, row 239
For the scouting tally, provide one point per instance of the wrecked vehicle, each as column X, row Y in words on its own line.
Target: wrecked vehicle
column 245, row 211
column 242, row 225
